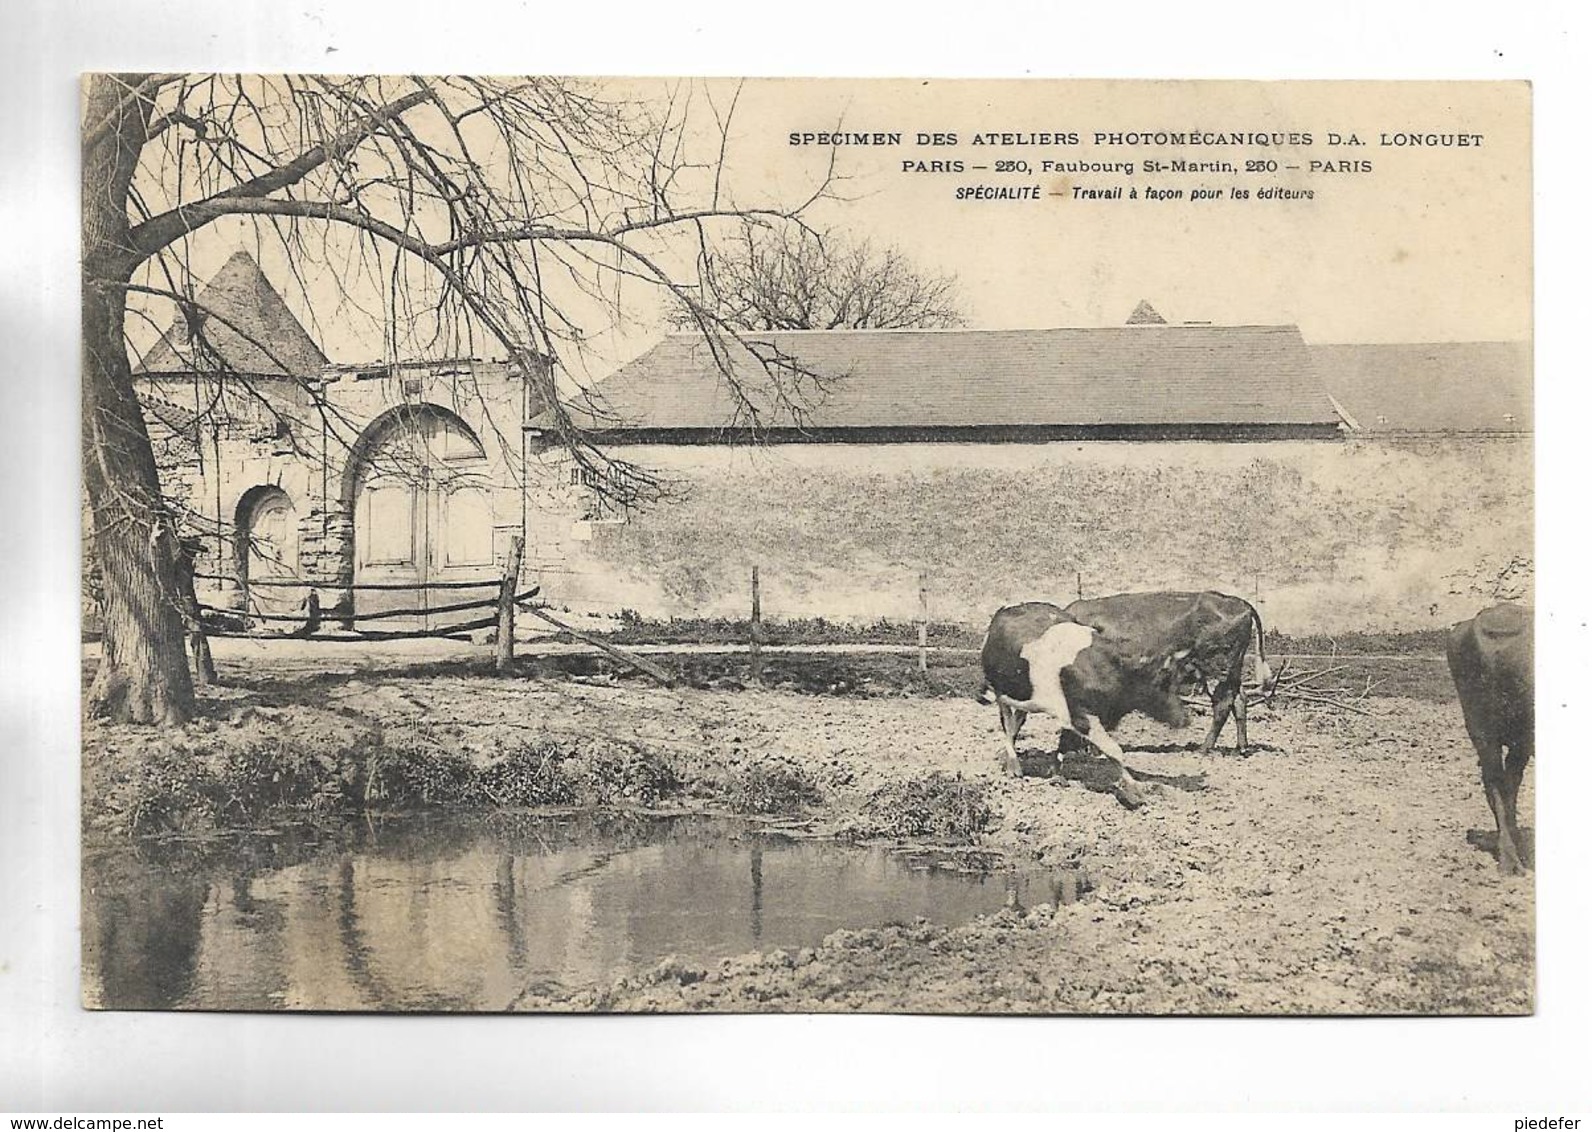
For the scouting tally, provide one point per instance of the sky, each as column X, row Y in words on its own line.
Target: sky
column 1426, row 243
column 1433, row 244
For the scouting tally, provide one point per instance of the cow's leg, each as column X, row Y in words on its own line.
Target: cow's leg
column 1127, row 788
column 1495, row 781
column 1221, row 708
column 1480, row 716
column 1010, row 757
column 1012, row 720
column 1514, row 771
column 1241, row 719
column 1229, row 693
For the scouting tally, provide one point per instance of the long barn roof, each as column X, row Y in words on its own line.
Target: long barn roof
column 1115, row 376
column 1431, row 387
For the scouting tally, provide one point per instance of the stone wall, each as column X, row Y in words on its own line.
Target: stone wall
column 240, row 446
column 1323, row 535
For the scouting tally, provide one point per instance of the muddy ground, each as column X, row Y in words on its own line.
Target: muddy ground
column 1343, row 867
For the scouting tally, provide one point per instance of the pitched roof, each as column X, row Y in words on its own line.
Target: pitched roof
column 241, row 295
column 1431, row 387
column 1145, row 315
column 1133, row 376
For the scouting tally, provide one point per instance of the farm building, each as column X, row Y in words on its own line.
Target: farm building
column 291, row 468
column 987, row 464
column 1000, row 465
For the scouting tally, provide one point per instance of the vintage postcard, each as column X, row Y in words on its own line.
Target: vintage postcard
column 570, row 545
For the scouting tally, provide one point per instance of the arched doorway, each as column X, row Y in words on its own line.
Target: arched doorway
column 422, row 507
column 268, row 550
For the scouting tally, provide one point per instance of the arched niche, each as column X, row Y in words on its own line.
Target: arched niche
column 266, row 549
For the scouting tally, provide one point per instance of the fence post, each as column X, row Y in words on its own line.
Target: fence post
column 923, row 621
column 204, row 666
column 505, row 626
column 312, row 614
column 757, row 629
column 1080, row 585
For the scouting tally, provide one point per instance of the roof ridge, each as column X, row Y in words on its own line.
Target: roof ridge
column 959, row 377
column 1433, row 342
column 1137, row 329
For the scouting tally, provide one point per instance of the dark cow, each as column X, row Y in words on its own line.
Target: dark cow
column 1490, row 657
column 1038, row 658
column 1212, row 629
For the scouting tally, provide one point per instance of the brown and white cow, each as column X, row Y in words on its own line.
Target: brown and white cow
column 1212, row 629
column 1490, row 657
column 1036, row 657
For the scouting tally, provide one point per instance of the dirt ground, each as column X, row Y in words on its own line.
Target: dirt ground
column 1343, row 867
column 1334, row 871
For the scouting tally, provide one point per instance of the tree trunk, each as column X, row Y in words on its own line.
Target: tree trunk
column 143, row 673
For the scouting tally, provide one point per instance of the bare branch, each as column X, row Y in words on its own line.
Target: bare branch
column 784, row 279
column 157, row 232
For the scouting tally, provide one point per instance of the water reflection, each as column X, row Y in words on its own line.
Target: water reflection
column 143, row 938
column 465, row 914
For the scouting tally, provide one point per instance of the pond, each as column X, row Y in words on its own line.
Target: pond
column 455, row 913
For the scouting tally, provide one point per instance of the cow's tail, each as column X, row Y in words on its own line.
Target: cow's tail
column 1264, row 676
column 985, row 694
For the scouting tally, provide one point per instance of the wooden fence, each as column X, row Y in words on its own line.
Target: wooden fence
column 313, row 621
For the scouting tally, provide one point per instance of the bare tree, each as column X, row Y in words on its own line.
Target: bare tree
column 470, row 205
column 784, row 278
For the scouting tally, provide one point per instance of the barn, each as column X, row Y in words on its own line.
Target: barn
column 991, row 465
column 1336, row 486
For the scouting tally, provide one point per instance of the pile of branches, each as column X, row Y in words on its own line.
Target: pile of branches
column 1318, row 687
column 1321, row 687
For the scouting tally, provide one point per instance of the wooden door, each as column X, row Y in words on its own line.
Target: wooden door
column 389, row 551
column 423, row 514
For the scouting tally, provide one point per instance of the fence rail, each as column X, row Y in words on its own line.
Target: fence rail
column 301, row 585
column 919, row 634
column 502, row 602
column 449, row 633
column 379, row 615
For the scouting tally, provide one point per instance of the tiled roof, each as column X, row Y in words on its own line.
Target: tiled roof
column 241, row 294
column 175, row 417
column 1128, row 376
column 1431, row 387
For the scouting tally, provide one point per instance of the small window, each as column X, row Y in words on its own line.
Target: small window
column 601, row 488
column 272, row 428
